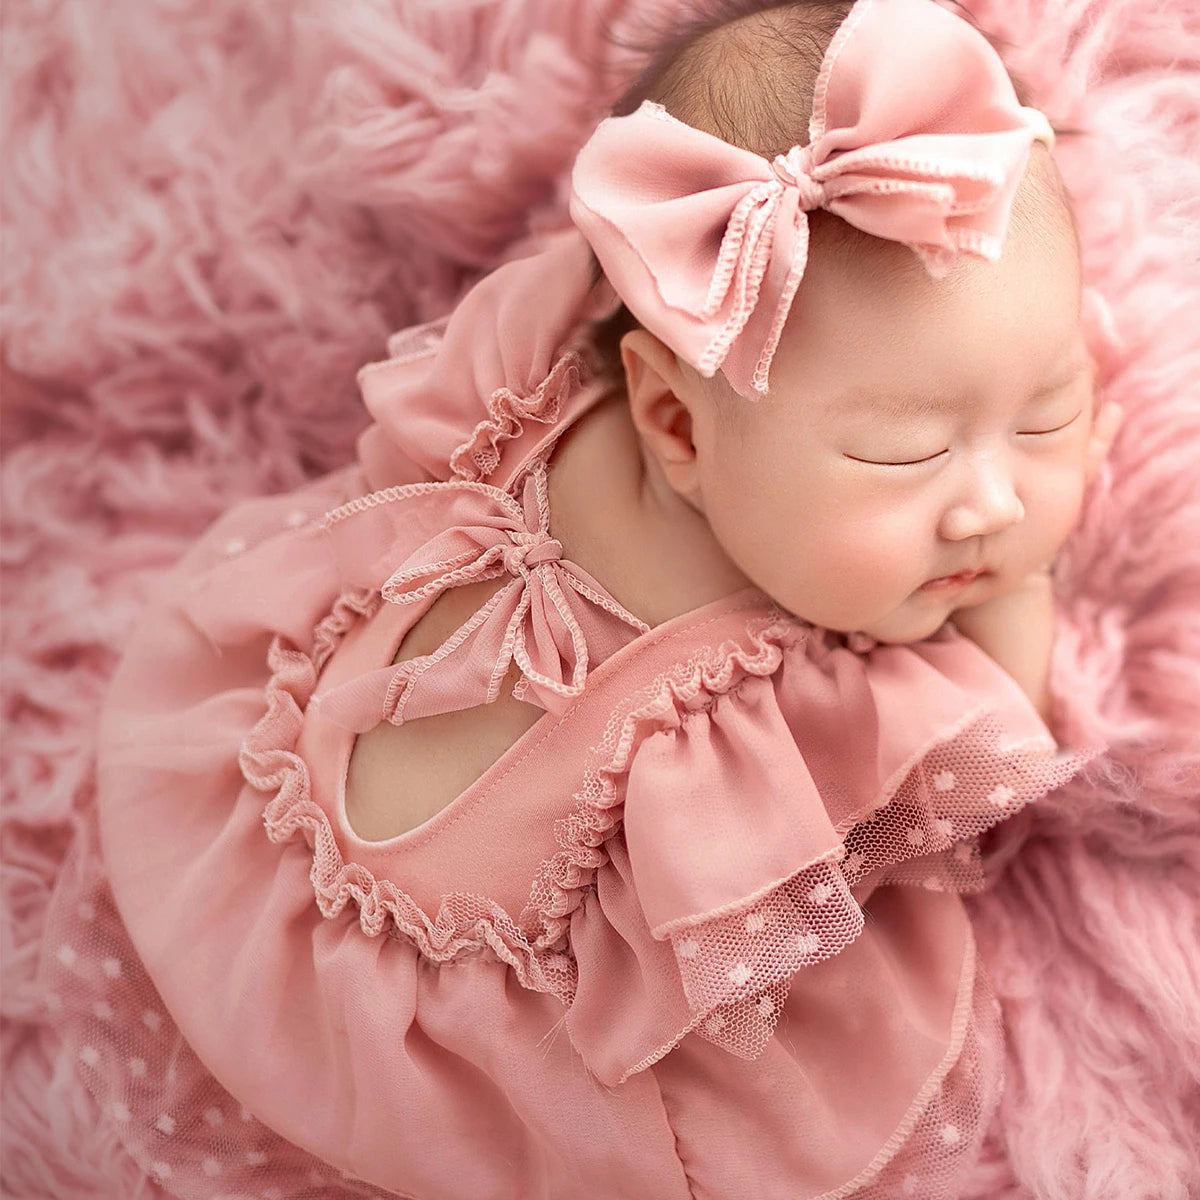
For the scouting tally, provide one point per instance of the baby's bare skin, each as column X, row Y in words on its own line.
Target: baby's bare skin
column 660, row 561
column 1017, row 629
column 916, row 429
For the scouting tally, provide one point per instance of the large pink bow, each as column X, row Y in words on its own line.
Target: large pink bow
column 530, row 620
column 916, row 136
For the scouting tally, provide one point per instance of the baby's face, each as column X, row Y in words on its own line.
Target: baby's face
column 916, row 429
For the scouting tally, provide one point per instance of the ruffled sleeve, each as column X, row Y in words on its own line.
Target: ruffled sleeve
column 764, row 792
column 453, row 394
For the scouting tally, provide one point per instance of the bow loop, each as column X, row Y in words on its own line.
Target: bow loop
column 443, row 564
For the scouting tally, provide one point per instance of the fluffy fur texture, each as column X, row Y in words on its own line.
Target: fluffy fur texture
column 215, row 210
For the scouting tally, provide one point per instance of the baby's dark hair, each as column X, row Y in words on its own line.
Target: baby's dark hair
column 698, row 67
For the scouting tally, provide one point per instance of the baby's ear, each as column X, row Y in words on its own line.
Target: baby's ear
column 1104, row 430
column 1106, row 347
column 1104, row 341
column 662, row 418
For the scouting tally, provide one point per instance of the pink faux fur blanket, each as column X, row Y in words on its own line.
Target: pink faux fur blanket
column 215, row 210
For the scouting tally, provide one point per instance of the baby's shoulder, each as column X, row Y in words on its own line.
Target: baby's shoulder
column 660, row 565
column 657, row 569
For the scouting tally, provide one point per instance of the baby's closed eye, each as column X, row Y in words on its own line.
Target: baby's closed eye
column 917, row 462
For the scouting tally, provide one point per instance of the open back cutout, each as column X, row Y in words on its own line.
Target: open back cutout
column 402, row 775
column 399, row 776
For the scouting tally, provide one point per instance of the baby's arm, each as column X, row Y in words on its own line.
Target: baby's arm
column 1017, row 630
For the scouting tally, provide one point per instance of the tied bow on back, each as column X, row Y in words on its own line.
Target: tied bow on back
column 916, row 136
column 531, row 620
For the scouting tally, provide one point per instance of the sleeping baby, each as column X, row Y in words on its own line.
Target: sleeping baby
column 575, row 794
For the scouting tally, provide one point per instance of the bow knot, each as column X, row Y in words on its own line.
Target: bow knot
column 530, row 550
column 794, row 169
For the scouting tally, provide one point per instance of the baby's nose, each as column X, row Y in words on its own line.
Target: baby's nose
column 989, row 504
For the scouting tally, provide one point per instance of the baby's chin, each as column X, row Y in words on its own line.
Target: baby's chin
column 903, row 627
column 899, row 627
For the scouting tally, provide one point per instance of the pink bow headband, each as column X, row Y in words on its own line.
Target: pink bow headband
column 916, row 136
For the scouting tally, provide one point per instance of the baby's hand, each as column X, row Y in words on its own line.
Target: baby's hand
column 1034, row 593
column 1017, row 629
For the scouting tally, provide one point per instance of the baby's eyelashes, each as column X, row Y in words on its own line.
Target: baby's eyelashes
column 916, row 461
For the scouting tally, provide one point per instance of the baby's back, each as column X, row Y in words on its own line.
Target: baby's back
column 657, row 565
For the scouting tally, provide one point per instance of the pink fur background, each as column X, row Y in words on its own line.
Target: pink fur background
column 215, row 211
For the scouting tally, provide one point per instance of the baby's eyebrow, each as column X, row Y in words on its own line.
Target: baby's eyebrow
column 919, row 404
column 889, row 404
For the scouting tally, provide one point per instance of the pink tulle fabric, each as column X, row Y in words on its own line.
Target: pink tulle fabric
column 697, row 932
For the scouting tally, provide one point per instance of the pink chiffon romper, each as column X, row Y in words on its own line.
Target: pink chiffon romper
column 697, row 934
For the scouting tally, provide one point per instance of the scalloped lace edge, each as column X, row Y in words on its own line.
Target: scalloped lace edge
column 535, row 945
column 479, row 455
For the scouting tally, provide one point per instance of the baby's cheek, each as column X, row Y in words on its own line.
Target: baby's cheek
column 863, row 567
column 878, row 537
column 1057, row 505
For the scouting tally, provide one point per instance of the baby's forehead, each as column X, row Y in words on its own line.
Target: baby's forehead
column 879, row 327
column 1042, row 206
column 876, row 279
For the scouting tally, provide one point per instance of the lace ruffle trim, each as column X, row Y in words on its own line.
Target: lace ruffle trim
column 535, row 945
column 478, row 456
column 269, row 762
column 710, row 672
column 735, row 965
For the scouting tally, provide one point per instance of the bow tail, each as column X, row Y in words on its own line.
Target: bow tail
column 555, row 665
column 461, row 673
column 753, row 256
column 509, row 634
column 467, row 669
column 789, row 260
